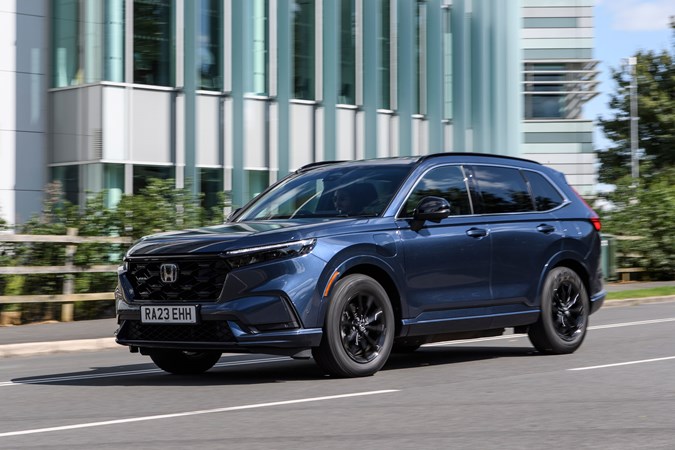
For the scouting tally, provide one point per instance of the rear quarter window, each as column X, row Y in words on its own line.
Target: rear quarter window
column 546, row 196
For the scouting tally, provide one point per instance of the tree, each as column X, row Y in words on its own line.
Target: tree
column 656, row 110
column 647, row 213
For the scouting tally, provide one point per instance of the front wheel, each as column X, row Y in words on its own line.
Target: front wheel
column 561, row 327
column 183, row 362
column 359, row 328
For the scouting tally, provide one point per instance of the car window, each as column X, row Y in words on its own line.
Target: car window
column 447, row 182
column 546, row 197
column 341, row 190
column 502, row 190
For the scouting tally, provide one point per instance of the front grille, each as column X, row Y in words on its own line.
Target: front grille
column 198, row 279
column 203, row 332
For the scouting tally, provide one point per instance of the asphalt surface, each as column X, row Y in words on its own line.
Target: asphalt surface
column 616, row 392
column 56, row 337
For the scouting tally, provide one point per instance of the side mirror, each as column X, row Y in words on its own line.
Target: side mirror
column 433, row 209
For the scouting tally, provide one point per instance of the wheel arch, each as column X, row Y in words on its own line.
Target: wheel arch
column 386, row 281
column 564, row 259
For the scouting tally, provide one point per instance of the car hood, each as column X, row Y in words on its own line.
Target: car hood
column 228, row 236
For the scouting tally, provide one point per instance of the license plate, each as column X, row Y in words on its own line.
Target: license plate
column 169, row 314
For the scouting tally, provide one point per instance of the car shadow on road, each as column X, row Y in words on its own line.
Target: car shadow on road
column 263, row 369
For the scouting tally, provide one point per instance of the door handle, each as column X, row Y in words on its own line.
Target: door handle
column 476, row 232
column 546, row 228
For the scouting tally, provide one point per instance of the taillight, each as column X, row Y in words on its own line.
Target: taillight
column 596, row 222
column 595, row 219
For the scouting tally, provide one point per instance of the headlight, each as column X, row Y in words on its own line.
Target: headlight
column 252, row 255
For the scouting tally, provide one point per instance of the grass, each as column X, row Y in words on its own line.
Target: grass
column 642, row 293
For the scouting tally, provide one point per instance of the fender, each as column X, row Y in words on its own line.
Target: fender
column 342, row 263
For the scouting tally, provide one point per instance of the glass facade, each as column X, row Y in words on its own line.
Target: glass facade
column 154, row 43
column 209, row 46
column 304, row 59
column 347, row 92
column 413, row 37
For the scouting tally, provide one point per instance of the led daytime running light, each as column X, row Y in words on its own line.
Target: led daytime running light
column 263, row 248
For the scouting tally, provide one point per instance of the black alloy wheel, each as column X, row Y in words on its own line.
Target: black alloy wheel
column 562, row 325
column 359, row 328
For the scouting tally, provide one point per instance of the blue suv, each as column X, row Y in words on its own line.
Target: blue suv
column 346, row 262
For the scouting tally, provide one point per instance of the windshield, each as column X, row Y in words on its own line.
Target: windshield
column 342, row 190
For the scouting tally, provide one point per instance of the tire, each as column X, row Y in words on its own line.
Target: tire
column 182, row 362
column 562, row 325
column 359, row 329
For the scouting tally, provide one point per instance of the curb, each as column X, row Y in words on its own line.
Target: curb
column 78, row 345
column 638, row 301
column 44, row 348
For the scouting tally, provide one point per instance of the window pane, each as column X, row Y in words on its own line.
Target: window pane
column 113, row 184
column 447, row 182
column 385, row 55
column 546, row 106
column 447, row 62
column 502, row 190
column 211, row 187
column 546, row 197
column 69, row 177
column 347, row 94
column 66, row 57
column 420, row 57
column 142, row 175
column 258, row 180
column 153, row 42
column 114, row 40
column 209, row 46
column 303, row 49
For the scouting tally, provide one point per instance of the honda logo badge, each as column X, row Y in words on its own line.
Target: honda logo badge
column 168, row 273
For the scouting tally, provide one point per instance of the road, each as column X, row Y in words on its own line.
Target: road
column 616, row 392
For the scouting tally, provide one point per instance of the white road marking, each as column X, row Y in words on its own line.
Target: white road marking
column 624, row 363
column 193, row 413
column 516, row 336
column 631, row 324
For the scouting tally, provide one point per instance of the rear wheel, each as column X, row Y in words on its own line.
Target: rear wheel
column 561, row 328
column 183, row 362
column 359, row 328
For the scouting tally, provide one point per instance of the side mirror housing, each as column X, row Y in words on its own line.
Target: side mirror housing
column 433, row 209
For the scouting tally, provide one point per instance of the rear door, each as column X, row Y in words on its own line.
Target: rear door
column 525, row 234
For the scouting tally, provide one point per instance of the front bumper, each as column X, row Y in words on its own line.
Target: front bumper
column 262, row 323
column 226, row 336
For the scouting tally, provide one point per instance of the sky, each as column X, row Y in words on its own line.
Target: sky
column 622, row 28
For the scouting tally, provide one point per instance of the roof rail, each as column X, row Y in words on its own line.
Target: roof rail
column 313, row 165
column 491, row 155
